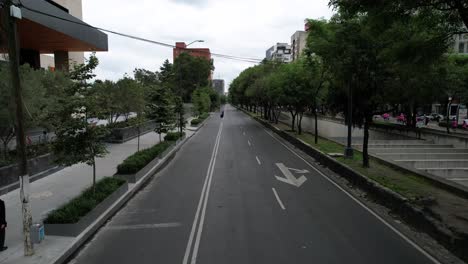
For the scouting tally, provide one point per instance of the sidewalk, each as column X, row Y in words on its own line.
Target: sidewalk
column 54, row 190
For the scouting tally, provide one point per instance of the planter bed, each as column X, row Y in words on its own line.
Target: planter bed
column 60, row 222
column 140, row 163
column 120, row 135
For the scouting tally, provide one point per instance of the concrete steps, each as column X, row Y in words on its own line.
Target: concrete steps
column 428, row 145
column 379, row 151
column 461, row 173
column 439, row 163
column 424, row 156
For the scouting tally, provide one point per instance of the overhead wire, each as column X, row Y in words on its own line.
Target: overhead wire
column 219, row 55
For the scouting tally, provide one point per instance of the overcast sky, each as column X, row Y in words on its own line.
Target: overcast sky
column 243, row 28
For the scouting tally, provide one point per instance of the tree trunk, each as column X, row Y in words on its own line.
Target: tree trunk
column 299, row 123
column 5, row 150
column 94, row 175
column 159, row 137
column 316, row 126
column 293, row 121
column 138, row 147
column 365, row 145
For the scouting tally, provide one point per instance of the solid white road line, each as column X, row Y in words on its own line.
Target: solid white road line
column 458, row 179
column 278, row 199
column 195, row 220
column 202, row 217
column 416, row 246
column 248, row 142
column 143, row 226
column 258, row 160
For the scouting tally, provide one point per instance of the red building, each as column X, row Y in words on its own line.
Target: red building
column 181, row 47
column 197, row 52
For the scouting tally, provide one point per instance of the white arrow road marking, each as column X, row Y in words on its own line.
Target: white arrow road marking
column 289, row 178
column 299, row 171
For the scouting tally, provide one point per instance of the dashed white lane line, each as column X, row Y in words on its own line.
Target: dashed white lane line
column 243, row 133
column 143, row 226
column 278, row 199
column 248, row 142
column 258, row 160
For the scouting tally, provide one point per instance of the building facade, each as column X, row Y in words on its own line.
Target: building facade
column 218, row 86
column 298, row 44
column 41, row 32
column 461, row 44
column 74, row 8
column 280, row 52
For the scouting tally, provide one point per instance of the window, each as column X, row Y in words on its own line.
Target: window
column 461, row 47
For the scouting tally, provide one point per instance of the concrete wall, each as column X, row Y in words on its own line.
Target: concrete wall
column 10, row 174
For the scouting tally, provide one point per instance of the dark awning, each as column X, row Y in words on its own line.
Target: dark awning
column 47, row 34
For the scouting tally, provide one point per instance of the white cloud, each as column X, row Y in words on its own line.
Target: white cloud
column 235, row 27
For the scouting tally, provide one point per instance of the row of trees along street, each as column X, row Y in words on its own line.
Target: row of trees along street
column 392, row 55
column 63, row 103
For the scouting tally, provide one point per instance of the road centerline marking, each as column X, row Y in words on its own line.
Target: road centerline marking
column 278, row 199
column 203, row 198
column 143, row 226
column 258, row 160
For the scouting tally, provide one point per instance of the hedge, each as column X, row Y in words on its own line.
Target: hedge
column 75, row 209
column 140, row 159
column 203, row 116
column 173, row 136
column 195, row 122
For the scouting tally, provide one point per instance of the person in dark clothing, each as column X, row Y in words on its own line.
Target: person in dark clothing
column 222, row 114
column 3, row 225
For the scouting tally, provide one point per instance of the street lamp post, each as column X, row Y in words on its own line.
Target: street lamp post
column 448, row 114
column 349, row 149
column 199, row 40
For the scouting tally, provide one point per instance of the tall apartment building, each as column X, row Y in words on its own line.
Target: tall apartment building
column 298, row 44
column 461, row 44
column 280, row 52
column 74, row 8
column 218, row 86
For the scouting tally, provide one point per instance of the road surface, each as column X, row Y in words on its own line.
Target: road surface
column 236, row 194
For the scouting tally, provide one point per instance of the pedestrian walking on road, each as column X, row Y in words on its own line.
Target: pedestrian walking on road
column 222, row 114
column 3, row 225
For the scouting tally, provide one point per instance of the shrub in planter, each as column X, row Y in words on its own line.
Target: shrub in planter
column 195, row 122
column 139, row 160
column 75, row 209
column 203, row 116
column 173, row 136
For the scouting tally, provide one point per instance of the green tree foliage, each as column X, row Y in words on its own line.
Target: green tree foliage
column 76, row 140
column 201, row 100
column 190, row 73
column 160, row 108
column 454, row 11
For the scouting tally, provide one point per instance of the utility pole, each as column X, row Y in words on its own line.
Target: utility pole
column 13, row 57
column 349, row 149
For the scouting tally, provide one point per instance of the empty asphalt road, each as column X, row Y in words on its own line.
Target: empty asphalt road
column 236, row 194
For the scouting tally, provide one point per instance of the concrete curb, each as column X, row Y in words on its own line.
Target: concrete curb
column 416, row 217
column 200, row 125
column 115, row 207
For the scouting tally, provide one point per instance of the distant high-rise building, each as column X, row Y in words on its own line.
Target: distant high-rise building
column 279, row 52
column 298, row 44
column 218, row 86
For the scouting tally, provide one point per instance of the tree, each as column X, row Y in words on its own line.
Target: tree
column 454, row 11
column 160, row 108
column 180, row 111
column 76, row 140
column 201, row 100
column 190, row 73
